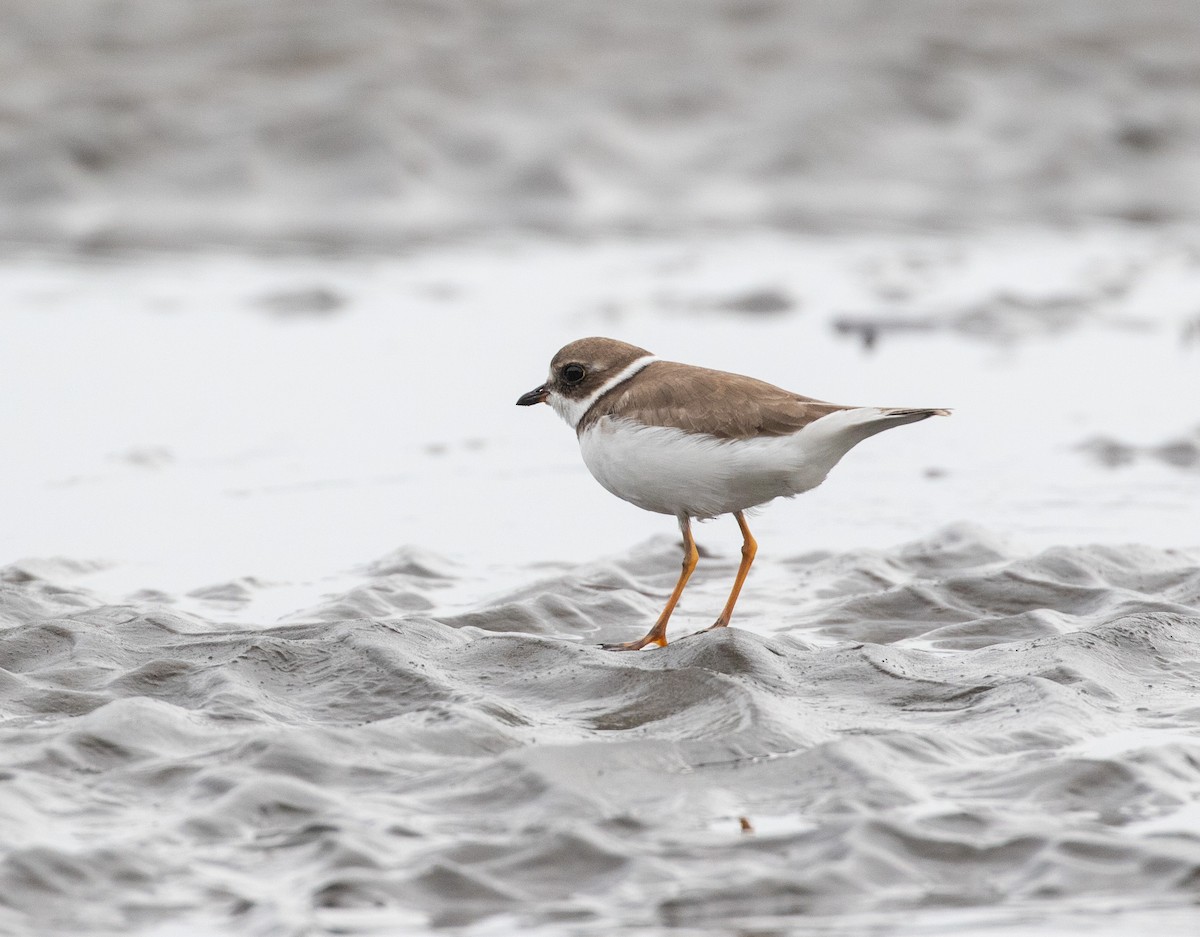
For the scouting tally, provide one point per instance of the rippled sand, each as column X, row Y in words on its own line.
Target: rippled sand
column 371, row 122
column 940, row 724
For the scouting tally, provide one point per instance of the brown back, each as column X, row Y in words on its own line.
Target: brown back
column 700, row 400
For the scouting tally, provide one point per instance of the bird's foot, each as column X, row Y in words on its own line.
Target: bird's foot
column 651, row 638
column 695, row 634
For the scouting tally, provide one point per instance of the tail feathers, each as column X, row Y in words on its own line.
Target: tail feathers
column 824, row 441
column 846, row 428
column 913, row 414
column 887, row 417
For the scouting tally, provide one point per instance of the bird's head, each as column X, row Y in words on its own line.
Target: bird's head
column 581, row 372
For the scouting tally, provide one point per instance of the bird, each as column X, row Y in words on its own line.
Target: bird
column 696, row 443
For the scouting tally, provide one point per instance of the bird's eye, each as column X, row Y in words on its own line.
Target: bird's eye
column 574, row 373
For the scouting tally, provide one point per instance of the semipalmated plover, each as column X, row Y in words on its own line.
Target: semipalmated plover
column 696, row 443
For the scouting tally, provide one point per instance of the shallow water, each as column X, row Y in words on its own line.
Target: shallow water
column 303, row 639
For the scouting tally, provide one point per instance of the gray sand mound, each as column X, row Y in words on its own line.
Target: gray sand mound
column 941, row 724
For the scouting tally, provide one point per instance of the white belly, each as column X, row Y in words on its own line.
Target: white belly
column 668, row 471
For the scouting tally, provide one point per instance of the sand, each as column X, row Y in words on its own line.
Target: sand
column 942, row 725
column 269, row 124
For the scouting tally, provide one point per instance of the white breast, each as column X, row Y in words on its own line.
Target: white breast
column 669, row 471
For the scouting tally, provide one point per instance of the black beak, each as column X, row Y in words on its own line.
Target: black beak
column 537, row 395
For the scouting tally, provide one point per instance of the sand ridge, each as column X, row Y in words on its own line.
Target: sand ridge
column 959, row 740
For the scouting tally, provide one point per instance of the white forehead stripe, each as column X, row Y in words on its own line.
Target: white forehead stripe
column 573, row 410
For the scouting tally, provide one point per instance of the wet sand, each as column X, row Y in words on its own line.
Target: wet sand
column 939, row 725
column 375, row 124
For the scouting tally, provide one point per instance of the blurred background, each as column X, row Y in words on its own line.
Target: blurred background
column 282, row 125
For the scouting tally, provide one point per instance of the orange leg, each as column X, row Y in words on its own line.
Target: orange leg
column 658, row 634
column 749, row 549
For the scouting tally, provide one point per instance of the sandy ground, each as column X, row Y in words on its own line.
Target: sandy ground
column 299, row 611
column 368, row 122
